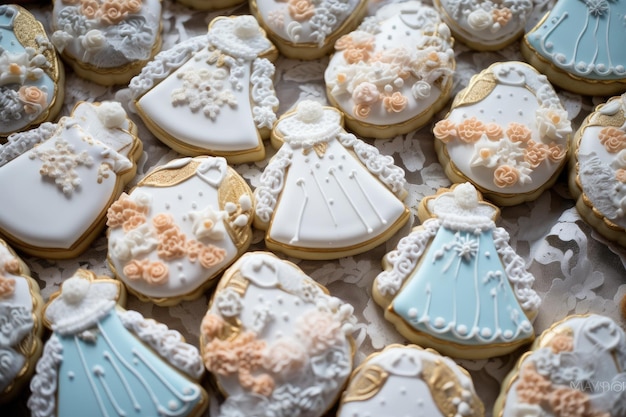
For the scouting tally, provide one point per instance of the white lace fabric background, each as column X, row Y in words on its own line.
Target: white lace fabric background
column 576, row 270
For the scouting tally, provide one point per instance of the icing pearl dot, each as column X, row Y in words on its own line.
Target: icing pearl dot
column 172, row 405
column 487, row 254
column 187, row 390
column 485, row 332
column 260, row 298
column 331, row 157
column 200, row 193
column 317, row 165
column 331, row 201
column 508, row 334
column 279, row 300
column 167, row 206
column 135, row 361
column 286, row 316
column 194, row 205
column 180, row 196
column 462, row 329
column 413, row 313
column 180, row 266
column 402, row 390
column 439, row 322
column 71, row 375
column 388, row 88
column 383, row 403
column 182, row 279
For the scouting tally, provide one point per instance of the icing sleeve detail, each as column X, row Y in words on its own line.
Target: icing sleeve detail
column 272, row 183
column 404, row 258
column 42, row 401
column 168, row 343
column 382, row 166
column 18, row 143
column 520, row 279
column 263, row 95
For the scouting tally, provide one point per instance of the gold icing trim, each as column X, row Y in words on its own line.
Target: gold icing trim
column 479, row 88
column 170, row 176
column 26, row 29
column 230, row 191
column 445, row 388
column 366, row 384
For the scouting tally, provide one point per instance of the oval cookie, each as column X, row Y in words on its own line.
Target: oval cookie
column 275, row 340
column 181, row 226
column 393, row 73
column 326, row 193
column 192, row 95
column 575, row 368
column 32, row 78
column 102, row 360
column 455, row 284
column 410, row 381
column 68, row 173
column 507, row 133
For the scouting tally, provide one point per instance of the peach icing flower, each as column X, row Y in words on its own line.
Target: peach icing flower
column 90, row 8
column 533, row 388
column 301, row 10
column 355, row 55
column 219, row 358
column 365, row 93
column 171, row 244
column 212, row 325
column 261, row 385
column 505, row 176
column 318, row 330
column 535, row 153
column 502, row 16
column 285, row 356
column 113, row 12
column 568, row 402
column 156, row 273
column 395, row 103
column 562, row 343
column 34, row 99
column 194, row 249
column 134, row 220
column 445, row 130
column 7, row 286
column 133, row 270
column 249, row 349
column 620, row 175
column 556, row 152
column 518, row 132
column 123, row 209
column 132, row 6
column 361, row 110
column 12, row 266
column 613, row 139
column 211, row 255
column 493, row 131
column 163, row 222
column 344, row 42
column 470, row 130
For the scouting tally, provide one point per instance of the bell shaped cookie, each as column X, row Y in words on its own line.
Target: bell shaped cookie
column 67, row 175
column 105, row 41
column 305, row 29
column 579, row 46
column 276, row 342
column 507, row 133
column 32, row 78
column 102, row 360
column 575, row 368
column 455, row 284
column 410, row 381
column 22, row 328
column 392, row 74
column 326, row 193
column 179, row 228
column 193, row 95
column 597, row 176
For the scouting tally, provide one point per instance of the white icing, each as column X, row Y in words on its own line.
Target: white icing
column 43, row 386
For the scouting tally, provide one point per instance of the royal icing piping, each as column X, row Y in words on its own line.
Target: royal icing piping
column 275, row 340
column 507, row 132
column 174, row 233
column 346, row 188
column 394, row 67
column 95, row 366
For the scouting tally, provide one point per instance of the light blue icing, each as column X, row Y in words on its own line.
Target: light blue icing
column 461, row 292
column 585, row 38
column 116, row 375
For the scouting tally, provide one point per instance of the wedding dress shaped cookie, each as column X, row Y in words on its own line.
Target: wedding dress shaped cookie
column 67, row 175
column 307, row 29
column 392, row 74
column 20, row 314
column 579, row 46
column 455, row 284
column 32, row 78
column 106, row 41
column 326, row 193
column 410, row 381
column 507, row 133
column 102, row 360
column 575, row 368
column 179, row 228
column 193, row 95
column 277, row 343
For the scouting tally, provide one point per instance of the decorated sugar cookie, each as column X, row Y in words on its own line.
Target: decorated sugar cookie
column 32, row 78
column 106, row 41
column 485, row 25
column 182, row 225
column 192, row 95
column 579, row 46
column 68, row 174
column 275, row 341
column 210, row 4
column 102, row 360
column 393, row 73
column 575, row 368
column 597, row 175
column 507, row 133
column 22, row 329
column 410, row 381
column 306, row 29
column 455, row 284
column 326, row 193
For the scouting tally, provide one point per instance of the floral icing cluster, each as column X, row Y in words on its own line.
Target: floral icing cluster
column 510, row 151
column 204, row 90
column 110, row 12
column 614, row 141
column 162, row 235
column 485, row 15
column 378, row 78
column 10, row 265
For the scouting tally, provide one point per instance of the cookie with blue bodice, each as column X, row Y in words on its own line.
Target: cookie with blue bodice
column 22, row 328
column 276, row 342
column 102, row 360
column 410, row 381
column 578, row 44
column 67, row 174
column 106, row 41
column 32, row 77
column 192, row 95
column 577, row 367
column 455, row 284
